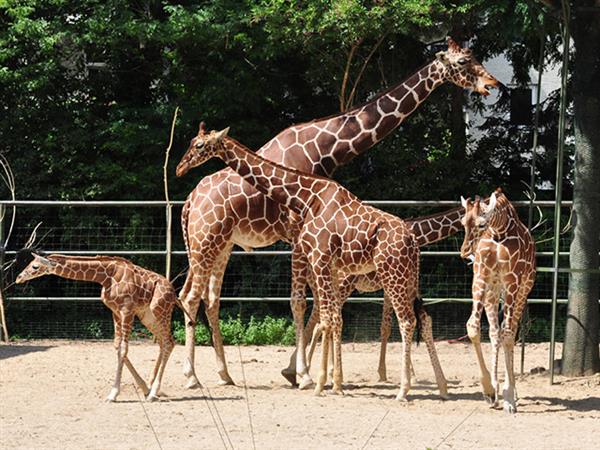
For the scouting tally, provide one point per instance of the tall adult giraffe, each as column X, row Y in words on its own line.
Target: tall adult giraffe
column 339, row 235
column 223, row 210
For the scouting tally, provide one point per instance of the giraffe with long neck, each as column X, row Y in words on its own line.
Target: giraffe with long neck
column 223, row 211
column 128, row 291
column 504, row 264
column 427, row 230
column 339, row 236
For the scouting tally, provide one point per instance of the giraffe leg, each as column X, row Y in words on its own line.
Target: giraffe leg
column 325, row 340
column 317, row 332
column 474, row 333
column 327, row 303
column 491, row 311
column 139, row 381
column 427, row 335
column 407, row 327
column 300, row 270
column 191, row 302
column 385, row 331
column 514, row 302
column 336, row 332
column 158, row 320
column 121, row 344
column 166, row 344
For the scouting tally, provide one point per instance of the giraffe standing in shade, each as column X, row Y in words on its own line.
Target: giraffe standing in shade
column 339, row 236
column 427, row 230
column 504, row 264
column 129, row 291
column 223, row 210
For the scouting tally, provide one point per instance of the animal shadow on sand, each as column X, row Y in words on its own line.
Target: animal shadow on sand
column 10, row 351
column 557, row 404
column 189, row 398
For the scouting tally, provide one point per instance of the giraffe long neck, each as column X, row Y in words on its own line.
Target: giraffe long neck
column 282, row 185
column 82, row 269
column 321, row 146
column 430, row 229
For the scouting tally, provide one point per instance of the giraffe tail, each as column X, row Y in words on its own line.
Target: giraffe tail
column 419, row 308
column 185, row 311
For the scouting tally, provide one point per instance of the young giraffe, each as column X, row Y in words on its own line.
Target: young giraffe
column 504, row 264
column 128, row 291
column 339, row 235
column 427, row 230
column 223, row 210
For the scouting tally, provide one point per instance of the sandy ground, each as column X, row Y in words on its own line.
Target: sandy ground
column 52, row 396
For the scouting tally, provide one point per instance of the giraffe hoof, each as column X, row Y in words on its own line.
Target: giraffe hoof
column 444, row 395
column 509, row 409
column 318, row 392
column 225, row 379
column 337, row 391
column 306, row 382
column 112, row 396
column 401, row 398
column 491, row 400
column 290, row 375
column 152, row 398
column 193, row 383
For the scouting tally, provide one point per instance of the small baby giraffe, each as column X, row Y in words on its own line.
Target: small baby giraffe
column 129, row 291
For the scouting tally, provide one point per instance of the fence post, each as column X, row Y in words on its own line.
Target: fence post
column 4, row 330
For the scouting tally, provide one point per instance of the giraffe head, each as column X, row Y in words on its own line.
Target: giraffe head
column 202, row 147
column 39, row 267
column 461, row 68
column 475, row 222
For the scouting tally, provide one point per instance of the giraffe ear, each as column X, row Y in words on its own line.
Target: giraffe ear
column 44, row 260
column 221, row 134
column 463, row 201
column 202, row 128
column 487, row 209
column 452, row 45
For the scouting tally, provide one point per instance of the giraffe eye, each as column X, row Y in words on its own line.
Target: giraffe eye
column 200, row 144
column 463, row 61
column 35, row 266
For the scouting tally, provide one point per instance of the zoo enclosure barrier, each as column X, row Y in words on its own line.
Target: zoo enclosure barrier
column 256, row 283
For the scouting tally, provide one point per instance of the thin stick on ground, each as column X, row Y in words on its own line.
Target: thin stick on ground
column 375, row 429
column 247, row 398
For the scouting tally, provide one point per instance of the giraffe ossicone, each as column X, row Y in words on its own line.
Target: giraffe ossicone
column 128, row 291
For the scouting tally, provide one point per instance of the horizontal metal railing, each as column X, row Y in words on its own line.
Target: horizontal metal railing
column 167, row 252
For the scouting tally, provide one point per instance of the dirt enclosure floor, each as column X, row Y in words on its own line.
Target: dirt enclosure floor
column 52, row 397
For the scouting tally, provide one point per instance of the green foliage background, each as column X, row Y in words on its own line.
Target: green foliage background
column 88, row 91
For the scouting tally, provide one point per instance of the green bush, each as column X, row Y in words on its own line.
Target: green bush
column 270, row 330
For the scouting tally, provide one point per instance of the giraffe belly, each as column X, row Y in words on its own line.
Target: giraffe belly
column 251, row 239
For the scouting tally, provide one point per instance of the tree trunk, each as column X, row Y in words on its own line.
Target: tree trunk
column 580, row 351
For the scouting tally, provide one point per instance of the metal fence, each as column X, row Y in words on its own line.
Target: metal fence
column 256, row 283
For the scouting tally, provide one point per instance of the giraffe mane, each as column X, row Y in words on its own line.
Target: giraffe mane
column 282, row 167
column 433, row 216
column 58, row 257
column 366, row 102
